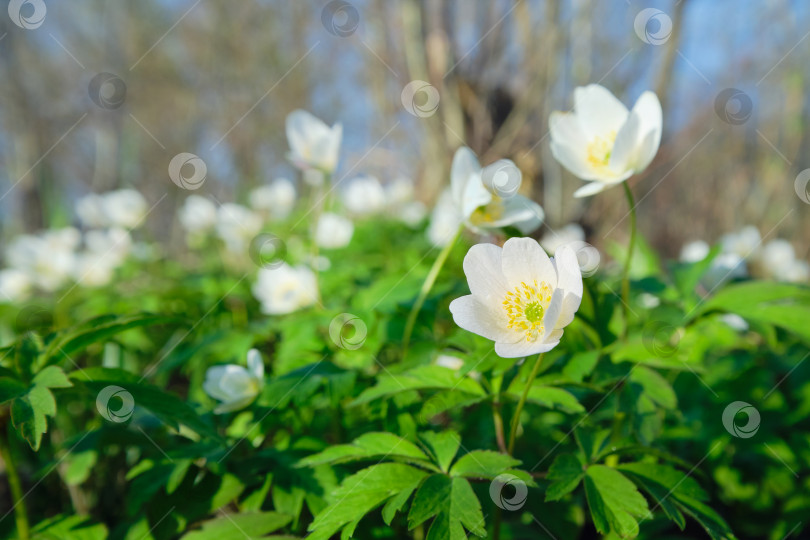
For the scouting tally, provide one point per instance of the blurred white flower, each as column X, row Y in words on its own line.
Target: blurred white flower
column 276, row 200
column 15, row 285
column 724, row 267
column 412, row 213
column 333, row 231
column 124, row 208
column 198, row 214
column 694, row 251
column 520, row 298
column 735, row 322
column 113, row 243
column 649, row 301
column 237, row 226
column 402, row 204
column 313, row 144
column 450, row 362
column 744, row 243
column 47, row 259
column 778, row 261
column 233, row 385
column 285, row 289
column 799, row 272
column 93, row 269
column 487, row 198
column 601, row 141
column 567, row 234
column 444, row 221
column 364, row 196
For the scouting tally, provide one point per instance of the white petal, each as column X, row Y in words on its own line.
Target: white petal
column 648, row 110
column 520, row 212
column 465, row 182
column 625, row 147
column 523, row 348
column 553, row 311
column 255, row 363
column 482, row 266
column 573, row 159
column 523, row 260
column 473, row 316
column 598, row 110
column 565, row 129
column 234, row 405
column 590, row 189
column 569, row 280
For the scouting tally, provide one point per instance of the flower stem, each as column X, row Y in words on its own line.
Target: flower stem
column 498, row 421
column 425, row 290
column 20, row 513
column 519, row 409
column 631, row 245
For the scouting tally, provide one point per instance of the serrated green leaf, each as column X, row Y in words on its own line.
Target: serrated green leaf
column 454, row 505
column 443, row 446
column 614, row 501
column 483, row 464
column 655, row 386
column 360, row 493
column 565, row 474
column 421, row 378
column 367, row 446
column 247, row 526
column 52, row 377
column 64, row 527
column 547, row 396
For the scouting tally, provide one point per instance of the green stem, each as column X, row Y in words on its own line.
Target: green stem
column 631, row 245
column 20, row 514
column 317, row 205
column 425, row 290
column 498, row 421
column 519, row 409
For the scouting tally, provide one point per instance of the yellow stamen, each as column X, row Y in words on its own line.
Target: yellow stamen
column 526, row 306
column 599, row 151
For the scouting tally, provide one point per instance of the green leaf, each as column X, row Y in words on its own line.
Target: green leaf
column 368, row 446
column 453, row 504
column 655, row 386
column 483, row 464
column 421, row 378
column 360, row 493
column 248, row 526
column 63, row 527
column 614, row 501
column 30, row 409
column 580, row 365
column 565, row 474
column 443, row 446
column 52, row 377
column 546, row 396
column 10, row 388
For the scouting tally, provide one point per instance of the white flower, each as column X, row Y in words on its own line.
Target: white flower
column 115, row 244
column 14, row 285
column 735, row 322
column 724, row 267
column 601, row 141
column 276, row 200
column 313, row 144
column 48, row 259
column 105, row 250
column 411, row 213
column 520, row 298
column 744, row 243
column 93, row 269
column 364, row 196
column 799, row 272
column 778, row 261
column 445, row 220
column 236, row 226
column 333, row 231
column 233, row 385
column 450, row 362
column 198, row 214
column 567, row 234
column 486, row 198
column 285, row 289
column 694, row 251
column 400, row 202
column 124, row 208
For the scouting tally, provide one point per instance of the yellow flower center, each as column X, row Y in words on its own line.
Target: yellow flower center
column 599, row 150
column 525, row 307
column 489, row 213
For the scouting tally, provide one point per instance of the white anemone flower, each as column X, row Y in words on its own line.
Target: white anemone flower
column 694, row 251
column 313, row 144
column 236, row 226
column 15, row 285
column 276, row 200
column 567, row 234
column 521, row 299
column 124, row 208
column 285, row 289
column 778, row 261
column 333, row 231
column 198, row 214
column 364, row 196
column 486, row 198
column 234, row 386
column 602, row 142
column 48, row 259
column 744, row 243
